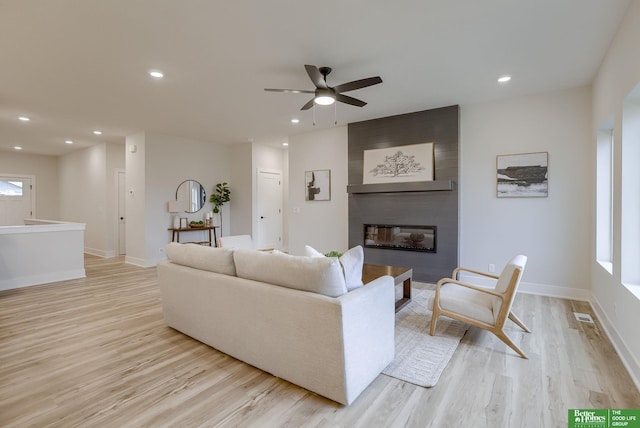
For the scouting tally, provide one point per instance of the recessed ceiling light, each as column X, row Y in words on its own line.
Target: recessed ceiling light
column 17, row 148
column 504, row 79
column 68, row 142
column 156, row 74
column 24, row 118
column 294, row 120
column 285, row 144
column 97, row 132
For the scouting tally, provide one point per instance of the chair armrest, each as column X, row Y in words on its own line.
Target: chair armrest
column 477, row 272
column 471, row 286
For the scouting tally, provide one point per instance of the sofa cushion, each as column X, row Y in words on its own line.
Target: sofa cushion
column 320, row 275
column 219, row 260
column 351, row 262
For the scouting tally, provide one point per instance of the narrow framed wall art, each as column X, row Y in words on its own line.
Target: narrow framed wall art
column 317, row 185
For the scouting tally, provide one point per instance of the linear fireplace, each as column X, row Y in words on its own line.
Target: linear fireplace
column 397, row 237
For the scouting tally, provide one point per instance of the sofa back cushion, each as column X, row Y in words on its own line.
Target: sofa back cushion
column 322, row 275
column 219, row 260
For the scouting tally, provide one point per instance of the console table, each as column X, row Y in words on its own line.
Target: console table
column 175, row 234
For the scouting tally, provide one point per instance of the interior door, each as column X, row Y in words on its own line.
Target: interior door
column 269, row 210
column 122, row 219
column 15, row 200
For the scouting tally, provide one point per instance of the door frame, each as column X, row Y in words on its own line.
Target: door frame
column 33, row 189
column 256, row 211
column 116, row 226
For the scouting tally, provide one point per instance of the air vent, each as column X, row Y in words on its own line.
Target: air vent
column 583, row 317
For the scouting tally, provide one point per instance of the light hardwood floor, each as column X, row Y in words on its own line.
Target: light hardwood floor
column 95, row 352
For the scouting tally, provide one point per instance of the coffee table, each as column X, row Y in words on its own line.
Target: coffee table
column 400, row 275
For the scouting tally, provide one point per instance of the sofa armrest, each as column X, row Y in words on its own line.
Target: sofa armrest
column 368, row 327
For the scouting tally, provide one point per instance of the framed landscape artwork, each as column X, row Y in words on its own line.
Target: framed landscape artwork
column 398, row 164
column 317, row 185
column 522, row 176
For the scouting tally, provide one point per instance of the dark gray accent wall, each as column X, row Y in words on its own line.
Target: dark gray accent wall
column 410, row 207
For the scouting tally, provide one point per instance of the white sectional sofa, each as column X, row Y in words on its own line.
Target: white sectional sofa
column 290, row 316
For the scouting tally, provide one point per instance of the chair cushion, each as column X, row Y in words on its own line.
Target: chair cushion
column 219, row 260
column 351, row 262
column 518, row 261
column 322, row 275
column 467, row 302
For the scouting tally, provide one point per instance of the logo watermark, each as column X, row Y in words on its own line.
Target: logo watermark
column 604, row 418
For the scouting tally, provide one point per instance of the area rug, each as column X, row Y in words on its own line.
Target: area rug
column 420, row 358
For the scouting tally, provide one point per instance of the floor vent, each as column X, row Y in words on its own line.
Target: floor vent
column 583, row 317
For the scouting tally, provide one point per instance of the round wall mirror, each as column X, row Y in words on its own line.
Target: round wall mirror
column 192, row 195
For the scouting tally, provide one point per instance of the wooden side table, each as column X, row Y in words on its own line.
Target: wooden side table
column 175, row 234
column 400, row 275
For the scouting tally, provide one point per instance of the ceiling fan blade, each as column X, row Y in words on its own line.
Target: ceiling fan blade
column 357, row 84
column 350, row 100
column 308, row 105
column 316, row 77
column 293, row 91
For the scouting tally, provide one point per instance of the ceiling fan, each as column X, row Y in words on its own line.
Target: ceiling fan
column 325, row 94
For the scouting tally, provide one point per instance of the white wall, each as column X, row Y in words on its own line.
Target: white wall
column 154, row 172
column 86, row 187
column 241, row 186
column 618, row 308
column 551, row 231
column 45, row 169
column 321, row 224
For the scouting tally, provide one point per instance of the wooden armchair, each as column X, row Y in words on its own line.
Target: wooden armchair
column 482, row 307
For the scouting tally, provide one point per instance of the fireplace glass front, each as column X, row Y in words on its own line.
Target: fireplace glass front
column 397, row 237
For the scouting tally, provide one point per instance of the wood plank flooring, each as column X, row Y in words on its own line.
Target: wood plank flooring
column 95, row 352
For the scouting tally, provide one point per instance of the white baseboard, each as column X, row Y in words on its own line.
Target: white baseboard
column 534, row 288
column 100, row 253
column 628, row 359
column 27, row 281
column 139, row 262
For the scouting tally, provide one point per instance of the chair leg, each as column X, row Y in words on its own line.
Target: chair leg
column 434, row 320
column 502, row 335
column 516, row 320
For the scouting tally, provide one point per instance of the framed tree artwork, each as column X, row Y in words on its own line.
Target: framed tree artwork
column 398, row 164
column 317, row 185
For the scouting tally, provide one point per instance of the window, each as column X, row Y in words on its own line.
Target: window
column 10, row 188
column 604, row 196
column 630, row 220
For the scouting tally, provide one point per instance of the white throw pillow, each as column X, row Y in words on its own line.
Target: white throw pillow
column 219, row 260
column 351, row 263
column 319, row 275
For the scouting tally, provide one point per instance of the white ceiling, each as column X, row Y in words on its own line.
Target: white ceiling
column 74, row 66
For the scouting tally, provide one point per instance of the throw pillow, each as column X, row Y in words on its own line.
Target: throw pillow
column 351, row 263
column 219, row 260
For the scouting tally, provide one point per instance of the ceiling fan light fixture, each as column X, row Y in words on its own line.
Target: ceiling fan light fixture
column 324, row 97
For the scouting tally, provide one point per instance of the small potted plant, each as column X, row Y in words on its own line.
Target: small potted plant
column 220, row 195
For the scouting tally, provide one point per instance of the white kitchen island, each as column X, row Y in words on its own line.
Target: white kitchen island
column 39, row 252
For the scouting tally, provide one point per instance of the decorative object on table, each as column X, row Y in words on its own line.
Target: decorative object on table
column 196, row 224
column 221, row 195
column 318, row 185
column 184, row 222
column 522, row 176
column 192, row 195
column 399, row 164
column 175, row 207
